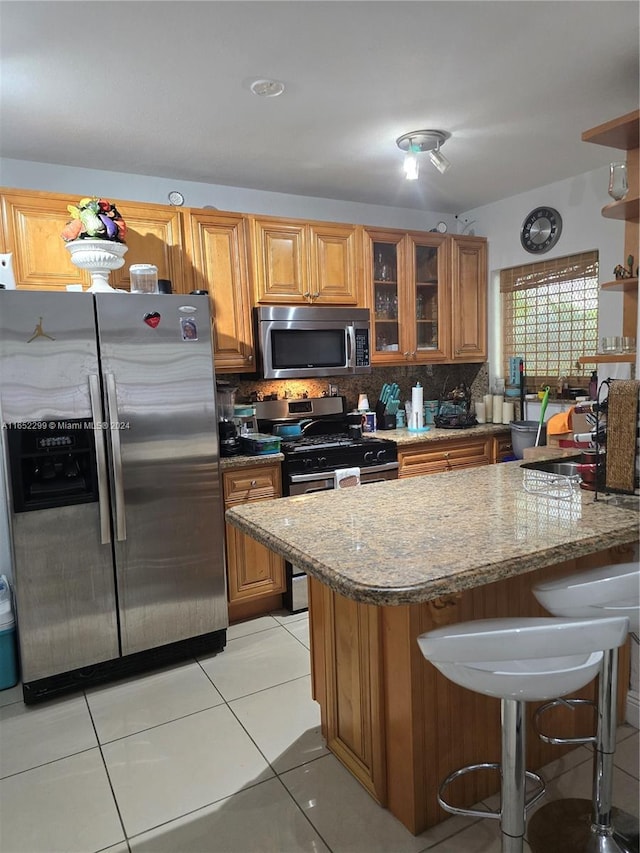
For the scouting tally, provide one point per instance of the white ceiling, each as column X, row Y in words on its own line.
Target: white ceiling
column 162, row 88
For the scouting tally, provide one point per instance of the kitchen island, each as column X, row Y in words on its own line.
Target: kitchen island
column 392, row 560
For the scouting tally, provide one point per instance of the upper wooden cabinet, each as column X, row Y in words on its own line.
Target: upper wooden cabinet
column 154, row 236
column 427, row 295
column 468, row 265
column 305, row 262
column 31, row 226
column 216, row 244
column 407, row 296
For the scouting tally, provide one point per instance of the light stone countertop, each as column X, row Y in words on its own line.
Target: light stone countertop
column 412, row 540
column 401, row 436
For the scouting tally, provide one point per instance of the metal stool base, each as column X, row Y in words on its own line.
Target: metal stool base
column 564, row 826
column 471, row 768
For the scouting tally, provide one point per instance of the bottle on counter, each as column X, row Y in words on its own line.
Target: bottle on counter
column 593, row 386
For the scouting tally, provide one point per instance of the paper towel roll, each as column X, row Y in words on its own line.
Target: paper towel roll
column 508, row 410
column 417, row 406
column 488, row 407
column 498, row 400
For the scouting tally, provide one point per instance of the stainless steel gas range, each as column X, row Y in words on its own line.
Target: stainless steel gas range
column 327, row 441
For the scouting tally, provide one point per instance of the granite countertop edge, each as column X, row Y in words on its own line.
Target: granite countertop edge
column 430, row 589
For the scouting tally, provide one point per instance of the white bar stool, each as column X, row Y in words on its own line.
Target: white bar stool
column 584, row 825
column 516, row 660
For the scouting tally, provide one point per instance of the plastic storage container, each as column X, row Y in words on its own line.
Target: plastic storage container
column 144, row 278
column 260, row 444
column 523, row 434
column 8, row 659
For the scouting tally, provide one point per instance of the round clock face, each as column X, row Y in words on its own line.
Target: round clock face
column 176, row 198
column 540, row 230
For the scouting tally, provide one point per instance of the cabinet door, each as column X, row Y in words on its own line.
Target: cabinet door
column 469, row 298
column 427, row 303
column 334, row 264
column 385, row 271
column 217, row 248
column 154, row 236
column 280, row 261
column 253, row 571
column 31, row 226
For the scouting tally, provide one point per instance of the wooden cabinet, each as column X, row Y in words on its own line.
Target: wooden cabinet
column 216, row 244
column 254, row 573
column 624, row 134
column 31, row 226
column 433, row 457
column 407, row 296
column 427, row 295
column 468, row 298
column 154, row 236
column 502, row 447
column 305, row 262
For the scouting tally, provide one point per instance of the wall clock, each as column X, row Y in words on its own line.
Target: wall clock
column 541, row 230
column 176, row 198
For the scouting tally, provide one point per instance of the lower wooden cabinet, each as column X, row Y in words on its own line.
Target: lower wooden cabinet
column 254, row 573
column 437, row 456
column 502, row 447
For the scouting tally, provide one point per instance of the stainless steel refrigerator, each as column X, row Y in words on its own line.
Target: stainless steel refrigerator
column 112, row 488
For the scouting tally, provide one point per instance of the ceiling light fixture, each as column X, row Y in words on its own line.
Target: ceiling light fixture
column 267, row 88
column 419, row 141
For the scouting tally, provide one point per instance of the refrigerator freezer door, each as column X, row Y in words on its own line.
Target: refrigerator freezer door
column 63, row 576
column 157, row 365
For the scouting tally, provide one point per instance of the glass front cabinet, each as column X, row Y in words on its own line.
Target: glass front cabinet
column 407, row 274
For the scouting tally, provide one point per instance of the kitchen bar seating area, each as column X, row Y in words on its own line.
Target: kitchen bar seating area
column 204, row 755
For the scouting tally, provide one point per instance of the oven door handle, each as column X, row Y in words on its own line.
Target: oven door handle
column 324, row 475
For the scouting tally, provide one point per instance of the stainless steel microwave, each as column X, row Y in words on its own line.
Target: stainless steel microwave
column 302, row 342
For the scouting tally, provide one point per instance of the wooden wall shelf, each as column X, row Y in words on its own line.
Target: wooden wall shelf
column 621, row 284
column 608, row 358
column 619, row 133
column 627, row 209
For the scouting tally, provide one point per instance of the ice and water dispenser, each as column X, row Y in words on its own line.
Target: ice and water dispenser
column 52, row 465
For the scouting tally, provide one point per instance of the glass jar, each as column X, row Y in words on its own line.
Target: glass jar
column 618, row 184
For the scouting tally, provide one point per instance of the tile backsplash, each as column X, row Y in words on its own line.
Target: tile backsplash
column 437, row 380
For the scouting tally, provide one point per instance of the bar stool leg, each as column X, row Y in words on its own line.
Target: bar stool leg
column 609, row 830
column 512, row 820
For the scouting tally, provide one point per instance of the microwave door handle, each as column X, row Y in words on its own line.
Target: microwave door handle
column 351, row 335
column 116, row 455
column 101, row 461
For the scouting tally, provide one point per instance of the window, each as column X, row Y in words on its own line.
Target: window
column 550, row 316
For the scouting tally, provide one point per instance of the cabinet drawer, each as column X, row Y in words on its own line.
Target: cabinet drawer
column 444, row 456
column 247, row 484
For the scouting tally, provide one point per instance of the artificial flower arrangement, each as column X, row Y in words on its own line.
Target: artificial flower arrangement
column 94, row 219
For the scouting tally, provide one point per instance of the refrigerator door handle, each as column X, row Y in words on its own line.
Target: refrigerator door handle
column 101, row 460
column 118, row 487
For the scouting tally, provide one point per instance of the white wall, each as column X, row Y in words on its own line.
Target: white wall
column 81, row 182
column 579, row 201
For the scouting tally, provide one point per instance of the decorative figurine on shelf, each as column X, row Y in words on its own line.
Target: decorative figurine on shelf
column 621, row 272
column 94, row 219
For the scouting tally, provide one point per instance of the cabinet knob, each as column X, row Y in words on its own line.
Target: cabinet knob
column 306, row 294
column 248, row 358
column 316, row 294
column 254, row 483
column 407, row 354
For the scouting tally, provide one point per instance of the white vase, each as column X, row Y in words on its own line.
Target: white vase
column 99, row 257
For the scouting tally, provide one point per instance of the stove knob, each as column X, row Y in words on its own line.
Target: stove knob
column 308, row 464
column 382, row 456
column 322, row 462
column 369, row 457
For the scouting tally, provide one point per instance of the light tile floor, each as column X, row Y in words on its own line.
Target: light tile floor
column 222, row 754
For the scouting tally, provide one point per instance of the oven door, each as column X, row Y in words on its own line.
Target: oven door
column 296, row 597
